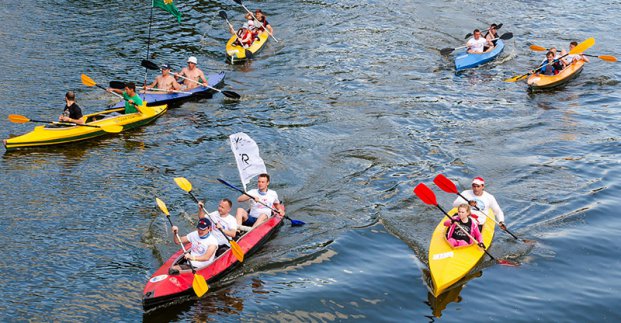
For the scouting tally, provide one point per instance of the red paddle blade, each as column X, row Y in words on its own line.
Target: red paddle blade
column 425, row 194
column 445, row 184
column 509, row 263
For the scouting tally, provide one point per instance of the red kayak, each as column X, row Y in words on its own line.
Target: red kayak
column 163, row 287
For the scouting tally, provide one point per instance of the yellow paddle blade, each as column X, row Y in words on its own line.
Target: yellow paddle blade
column 112, row 128
column 162, row 206
column 513, row 79
column 199, row 285
column 237, row 252
column 87, row 80
column 183, row 183
column 608, row 58
column 583, row 46
column 537, row 48
column 16, row 118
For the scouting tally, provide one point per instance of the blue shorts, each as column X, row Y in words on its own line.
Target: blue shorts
column 250, row 222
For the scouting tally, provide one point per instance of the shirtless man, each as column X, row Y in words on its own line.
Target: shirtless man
column 193, row 73
column 165, row 81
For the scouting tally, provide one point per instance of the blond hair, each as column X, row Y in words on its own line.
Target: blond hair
column 466, row 206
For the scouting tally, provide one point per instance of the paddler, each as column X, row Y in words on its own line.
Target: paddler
column 132, row 100
column 165, row 81
column 259, row 212
column 476, row 44
column 72, row 112
column 261, row 22
column 222, row 219
column 455, row 235
column 570, row 58
column 193, row 73
column 484, row 201
column 491, row 35
column 203, row 249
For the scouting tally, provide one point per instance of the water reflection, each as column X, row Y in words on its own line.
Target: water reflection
column 451, row 295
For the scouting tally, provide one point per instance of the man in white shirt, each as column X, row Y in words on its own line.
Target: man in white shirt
column 261, row 207
column 476, row 44
column 221, row 219
column 478, row 197
column 203, row 248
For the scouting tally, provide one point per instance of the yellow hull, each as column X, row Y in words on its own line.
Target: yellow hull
column 46, row 136
column 447, row 264
column 237, row 54
column 540, row 81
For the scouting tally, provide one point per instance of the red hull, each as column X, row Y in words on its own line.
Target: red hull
column 162, row 287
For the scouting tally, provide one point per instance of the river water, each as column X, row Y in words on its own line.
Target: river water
column 351, row 109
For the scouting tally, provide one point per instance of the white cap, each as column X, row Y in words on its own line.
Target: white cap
column 192, row 59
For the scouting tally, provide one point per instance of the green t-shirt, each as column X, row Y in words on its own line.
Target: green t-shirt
column 130, row 108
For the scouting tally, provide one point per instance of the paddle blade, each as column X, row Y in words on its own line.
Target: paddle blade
column 537, row 48
column 498, row 26
column 583, row 46
column 162, row 206
column 445, row 184
column 509, row 263
column 231, row 94
column 16, row 118
column 87, row 80
column 468, row 35
column 425, row 194
column 223, row 15
column 446, row 51
column 112, row 128
column 199, row 285
column 296, row 223
column 149, row 65
column 608, row 58
column 506, row 36
column 237, row 1
column 237, row 251
column 516, row 78
column 117, row 85
column 183, row 183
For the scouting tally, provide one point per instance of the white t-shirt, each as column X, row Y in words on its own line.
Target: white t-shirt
column 228, row 223
column 475, row 45
column 484, row 203
column 200, row 246
column 269, row 198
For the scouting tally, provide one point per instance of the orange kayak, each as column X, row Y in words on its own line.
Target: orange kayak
column 544, row 82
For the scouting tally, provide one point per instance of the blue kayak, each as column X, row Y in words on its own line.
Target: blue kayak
column 464, row 60
column 154, row 98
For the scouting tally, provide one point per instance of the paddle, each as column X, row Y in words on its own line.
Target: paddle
column 607, row 58
column 294, row 223
column 16, row 118
column 121, row 85
column 583, row 46
column 255, row 18
column 223, row 15
column 89, row 82
column 185, row 185
column 428, row 197
column 448, row 186
column 468, row 35
column 152, row 66
column 446, row 51
column 198, row 284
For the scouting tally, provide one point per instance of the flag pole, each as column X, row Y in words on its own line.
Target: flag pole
column 146, row 70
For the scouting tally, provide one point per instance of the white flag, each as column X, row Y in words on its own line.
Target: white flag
column 249, row 162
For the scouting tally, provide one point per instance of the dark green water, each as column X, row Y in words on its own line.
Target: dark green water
column 351, row 109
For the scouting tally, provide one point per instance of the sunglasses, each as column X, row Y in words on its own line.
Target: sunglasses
column 476, row 185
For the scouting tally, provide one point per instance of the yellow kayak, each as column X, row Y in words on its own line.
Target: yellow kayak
column 46, row 135
column 236, row 54
column 447, row 264
column 541, row 82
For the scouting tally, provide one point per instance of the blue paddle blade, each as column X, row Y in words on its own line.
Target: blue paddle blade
column 296, row 223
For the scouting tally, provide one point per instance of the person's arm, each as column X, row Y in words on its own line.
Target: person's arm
column 269, row 27
column 497, row 211
column 210, row 251
column 175, row 231
column 278, row 206
column 202, row 76
column 201, row 210
column 243, row 198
